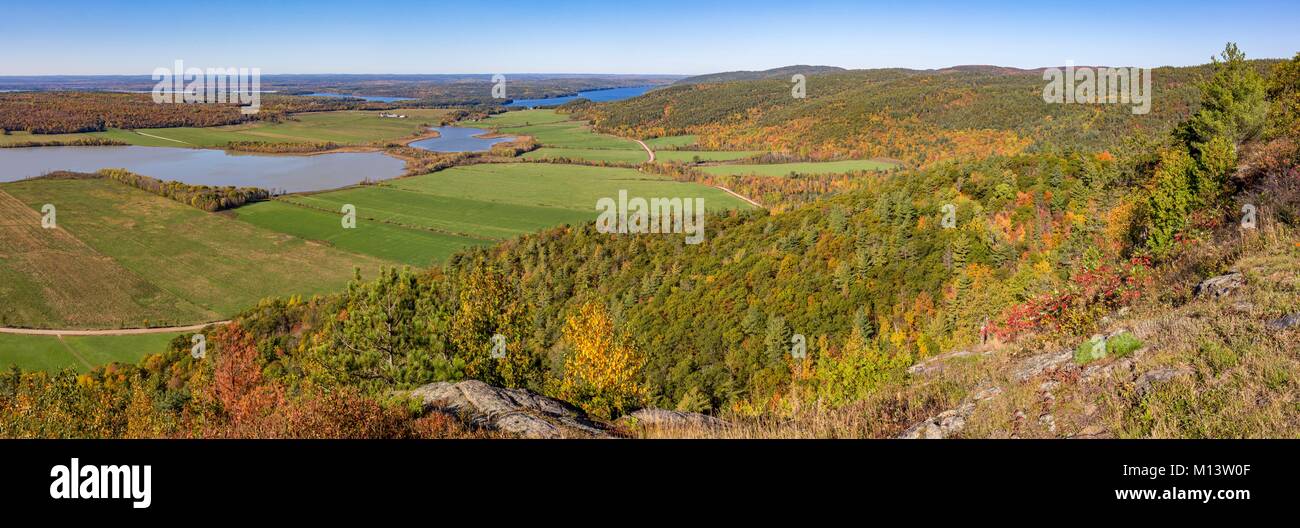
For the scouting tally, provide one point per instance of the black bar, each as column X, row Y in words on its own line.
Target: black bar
column 322, row 479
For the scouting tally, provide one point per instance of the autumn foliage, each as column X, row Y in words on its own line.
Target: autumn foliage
column 602, row 369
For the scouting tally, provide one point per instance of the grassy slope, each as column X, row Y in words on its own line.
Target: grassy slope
column 209, row 260
column 51, row 279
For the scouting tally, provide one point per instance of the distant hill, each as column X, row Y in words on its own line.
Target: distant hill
column 986, row 68
column 745, row 75
column 917, row 116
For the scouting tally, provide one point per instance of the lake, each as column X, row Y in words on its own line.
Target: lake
column 599, row 96
column 459, row 139
column 375, row 98
column 206, row 167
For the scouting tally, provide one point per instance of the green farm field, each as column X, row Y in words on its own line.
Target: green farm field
column 54, row 353
column 571, row 134
column 51, row 279
column 427, row 218
column 518, row 118
column 785, row 169
column 185, row 264
column 553, row 185
column 689, row 156
column 126, row 136
column 416, row 247
column 606, row 155
column 446, row 214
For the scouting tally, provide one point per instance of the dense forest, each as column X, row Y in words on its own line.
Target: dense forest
column 70, row 112
column 920, row 117
column 1039, row 240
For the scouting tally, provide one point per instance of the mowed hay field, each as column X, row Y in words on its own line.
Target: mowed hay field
column 342, row 127
column 51, row 279
column 785, row 169
column 430, row 217
column 82, row 353
column 206, row 266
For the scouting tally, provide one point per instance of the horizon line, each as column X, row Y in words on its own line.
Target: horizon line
column 1034, row 68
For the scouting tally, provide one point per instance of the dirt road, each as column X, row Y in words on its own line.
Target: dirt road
column 121, row 331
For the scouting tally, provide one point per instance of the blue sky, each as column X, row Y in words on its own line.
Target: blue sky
column 613, row 36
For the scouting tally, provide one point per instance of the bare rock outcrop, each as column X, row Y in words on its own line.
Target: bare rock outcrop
column 1283, row 323
column 517, row 412
column 1041, row 363
column 669, row 419
column 1215, row 287
column 950, row 422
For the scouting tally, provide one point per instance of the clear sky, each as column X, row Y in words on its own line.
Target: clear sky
column 623, row 36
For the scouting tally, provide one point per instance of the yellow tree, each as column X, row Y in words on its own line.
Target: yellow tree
column 489, row 307
column 601, row 369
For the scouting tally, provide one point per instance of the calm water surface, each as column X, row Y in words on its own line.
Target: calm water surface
column 599, row 96
column 459, row 139
column 206, row 167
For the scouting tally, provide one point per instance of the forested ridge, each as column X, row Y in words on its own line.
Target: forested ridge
column 1055, row 227
column 920, row 117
